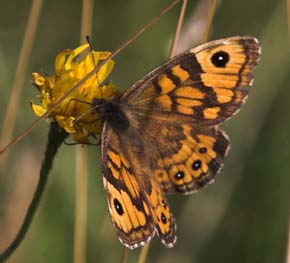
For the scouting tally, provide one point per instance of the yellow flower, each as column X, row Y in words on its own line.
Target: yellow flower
column 74, row 114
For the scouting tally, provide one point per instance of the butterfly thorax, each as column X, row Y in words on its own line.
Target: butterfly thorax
column 111, row 112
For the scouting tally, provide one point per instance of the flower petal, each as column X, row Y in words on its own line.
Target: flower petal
column 38, row 110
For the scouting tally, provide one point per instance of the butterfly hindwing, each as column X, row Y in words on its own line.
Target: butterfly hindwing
column 187, row 158
column 127, row 203
column 136, row 201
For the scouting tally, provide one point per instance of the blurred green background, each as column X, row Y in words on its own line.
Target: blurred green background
column 242, row 217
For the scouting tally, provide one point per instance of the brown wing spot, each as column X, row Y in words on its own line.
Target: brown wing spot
column 164, row 131
column 211, row 113
column 146, row 232
column 188, row 102
column 239, row 96
column 182, row 74
column 246, row 79
column 138, row 235
column 223, row 95
column 165, row 83
column 162, row 177
column 189, row 92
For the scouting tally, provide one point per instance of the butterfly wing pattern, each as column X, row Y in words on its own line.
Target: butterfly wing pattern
column 171, row 142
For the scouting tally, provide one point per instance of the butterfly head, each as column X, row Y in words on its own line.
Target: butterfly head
column 112, row 113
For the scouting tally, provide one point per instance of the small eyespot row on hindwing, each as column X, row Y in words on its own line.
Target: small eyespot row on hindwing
column 194, row 163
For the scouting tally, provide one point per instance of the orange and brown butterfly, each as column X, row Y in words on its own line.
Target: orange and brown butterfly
column 161, row 135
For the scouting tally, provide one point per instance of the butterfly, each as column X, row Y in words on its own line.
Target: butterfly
column 162, row 136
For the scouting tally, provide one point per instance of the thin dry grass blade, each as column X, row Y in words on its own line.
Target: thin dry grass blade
column 195, row 26
column 124, row 258
column 87, row 16
column 172, row 51
column 288, row 246
column 144, row 253
column 144, row 250
column 11, row 110
column 81, row 186
column 288, row 15
column 81, row 178
column 19, row 196
column 209, row 20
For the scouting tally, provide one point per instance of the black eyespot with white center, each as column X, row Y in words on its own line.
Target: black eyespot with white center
column 118, row 207
column 163, row 218
column 179, row 175
column 220, row 59
column 196, row 165
column 203, row 150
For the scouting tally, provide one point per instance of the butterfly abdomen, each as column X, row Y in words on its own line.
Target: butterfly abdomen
column 112, row 113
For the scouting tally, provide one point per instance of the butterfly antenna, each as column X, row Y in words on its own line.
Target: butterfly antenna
column 94, row 62
column 83, row 115
column 90, row 74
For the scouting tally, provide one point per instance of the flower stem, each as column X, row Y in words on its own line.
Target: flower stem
column 56, row 137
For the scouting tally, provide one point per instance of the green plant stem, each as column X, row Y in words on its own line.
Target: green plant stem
column 56, row 137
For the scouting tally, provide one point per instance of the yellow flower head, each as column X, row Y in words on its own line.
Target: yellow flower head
column 71, row 66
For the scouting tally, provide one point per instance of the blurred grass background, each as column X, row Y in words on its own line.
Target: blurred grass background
column 242, row 217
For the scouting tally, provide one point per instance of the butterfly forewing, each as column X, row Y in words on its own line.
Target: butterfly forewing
column 206, row 84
